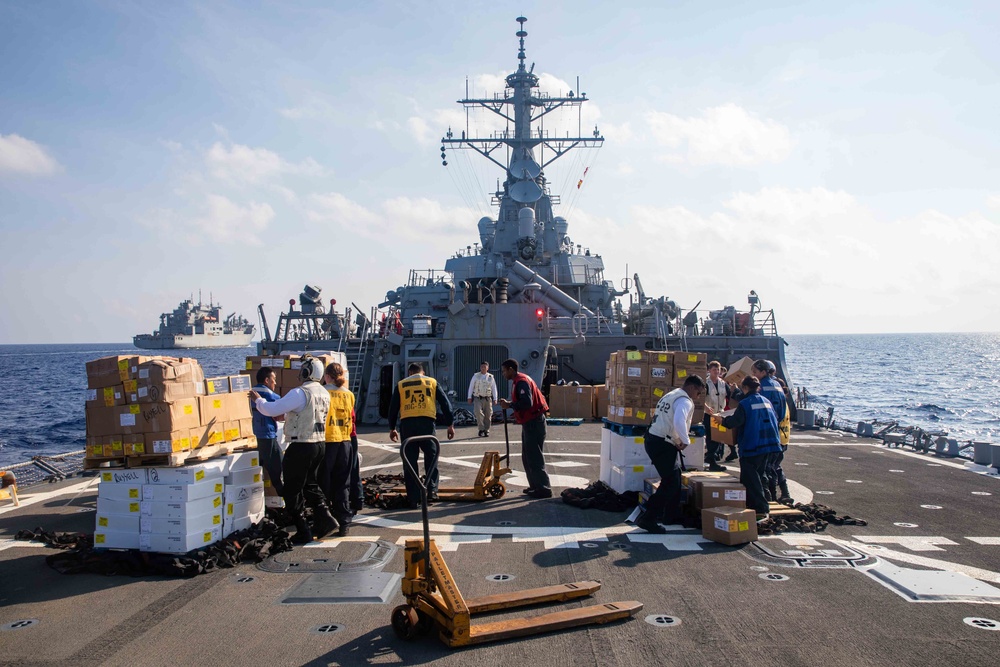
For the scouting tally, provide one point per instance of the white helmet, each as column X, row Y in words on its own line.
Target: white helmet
column 312, row 369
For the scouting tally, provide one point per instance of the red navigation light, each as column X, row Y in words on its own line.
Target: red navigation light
column 291, row 302
column 333, row 302
column 539, row 313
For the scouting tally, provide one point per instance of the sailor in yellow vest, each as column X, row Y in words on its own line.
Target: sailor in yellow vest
column 338, row 463
column 305, row 409
column 416, row 402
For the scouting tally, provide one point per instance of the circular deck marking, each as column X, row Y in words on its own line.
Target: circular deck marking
column 589, row 545
column 906, row 525
column 982, row 623
column 844, row 458
column 897, row 470
column 663, row 621
column 500, row 577
column 620, row 546
column 853, row 481
column 801, row 464
column 326, row 629
column 19, row 625
column 245, row 580
column 981, row 493
column 931, row 507
column 506, row 523
column 87, row 509
column 825, row 493
column 773, row 576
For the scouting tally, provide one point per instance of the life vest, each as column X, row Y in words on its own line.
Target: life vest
column 538, row 404
column 663, row 415
column 772, row 391
column 716, row 396
column 482, row 386
column 264, row 427
column 417, row 397
column 309, row 423
column 760, row 431
column 338, row 420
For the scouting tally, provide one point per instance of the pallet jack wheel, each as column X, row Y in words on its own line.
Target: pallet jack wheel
column 406, row 622
column 497, row 489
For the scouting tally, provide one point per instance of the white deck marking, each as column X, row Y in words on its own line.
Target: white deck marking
column 449, row 542
column 30, row 499
column 333, row 542
column 909, row 542
column 687, row 542
column 565, row 464
column 10, row 544
column 912, row 559
column 987, row 541
column 795, row 438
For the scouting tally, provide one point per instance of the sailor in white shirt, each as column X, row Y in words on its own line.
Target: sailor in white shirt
column 483, row 396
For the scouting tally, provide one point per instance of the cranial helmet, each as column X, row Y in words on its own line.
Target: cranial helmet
column 312, row 369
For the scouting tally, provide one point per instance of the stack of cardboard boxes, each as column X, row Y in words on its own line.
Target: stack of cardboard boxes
column 638, row 379
column 288, row 366
column 175, row 510
column 578, row 402
column 141, row 406
column 719, row 499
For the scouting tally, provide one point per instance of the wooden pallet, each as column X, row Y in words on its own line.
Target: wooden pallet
column 175, row 459
column 783, row 511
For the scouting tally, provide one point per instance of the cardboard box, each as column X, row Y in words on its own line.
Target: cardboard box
column 739, row 370
column 110, row 371
column 695, row 360
column 602, row 399
column 128, row 507
column 656, row 393
column 147, row 418
column 729, row 525
column 211, row 434
column 165, row 391
column 246, row 429
column 242, row 515
column 239, row 406
column 629, row 478
column 170, row 442
column 630, row 415
column 241, row 461
column 243, row 493
column 628, row 450
column 687, row 477
column 94, row 446
column 245, row 476
column 181, row 526
column 119, row 523
column 179, row 509
column 632, row 372
column 573, row 402
column 107, row 397
column 231, row 431
column 126, row 476
column 186, row 474
column 120, row 491
column 134, row 444
column 166, row 368
column 630, row 395
column 214, row 409
column 113, row 539
column 720, row 433
column 182, row 492
column 218, row 385
column 113, row 446
column 238, row 383
column 178, row 544
column 718, row 494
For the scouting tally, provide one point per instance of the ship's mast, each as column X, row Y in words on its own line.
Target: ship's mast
column 520, row 106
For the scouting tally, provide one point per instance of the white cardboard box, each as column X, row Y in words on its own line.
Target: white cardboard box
column 178, row 544
column 241, row 461
column 186, row 474
column 245, row 476
column 119, row 523
column 131, row 476
column 182, row 492
column 119, row 491
column 629, row 478
column 239, row 494
column 180, row 510
column 274, row 501
column 113, row 539
column 628, row 450
column 181, row 526
column 108, row 506
column 605, row 471
column 242, row 515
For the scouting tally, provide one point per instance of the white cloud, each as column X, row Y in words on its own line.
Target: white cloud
column 23, row 156
column 726, row 135
column 237, row 163
column 224, row 221
column 401, row 218
column 993, row 201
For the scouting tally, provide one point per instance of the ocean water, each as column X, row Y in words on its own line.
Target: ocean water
column 940, row 382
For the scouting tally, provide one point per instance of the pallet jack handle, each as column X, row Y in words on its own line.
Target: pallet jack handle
column 506, row 437
column 410, row 442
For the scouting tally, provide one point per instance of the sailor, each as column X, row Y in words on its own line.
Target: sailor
column 483, row 395
column 266, row 430
column 529, row 411
column 416, row 402
column 338, row 460
column 716, row 394
column 305, row 409
column 756, row 426
column 765, row 371
column 666, row 437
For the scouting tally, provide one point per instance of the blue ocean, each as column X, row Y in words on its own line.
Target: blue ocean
column 940, row 382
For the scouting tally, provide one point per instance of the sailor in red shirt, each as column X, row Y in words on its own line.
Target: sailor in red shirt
column 529, row 411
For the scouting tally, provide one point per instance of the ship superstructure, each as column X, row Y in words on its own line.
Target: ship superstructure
column 525, row 290
column 196, row 325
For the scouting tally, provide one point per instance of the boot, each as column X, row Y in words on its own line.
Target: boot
column 785, row 499
column 732, row 455
column 324, row 522
column 303, row 535
column 772, row 491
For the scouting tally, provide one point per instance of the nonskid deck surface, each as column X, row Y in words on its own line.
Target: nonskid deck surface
column 851, row 595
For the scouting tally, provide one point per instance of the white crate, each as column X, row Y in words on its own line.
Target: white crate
column 605, row 473
column 629, row 478
column 178, row 544
column 182, row 492
column 114, row 539
column 628, row 450
column 118, row 523
column 181, row 510
column 181, row 526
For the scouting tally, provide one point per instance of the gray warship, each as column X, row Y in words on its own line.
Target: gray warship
column 523, row 291
column 195, row 325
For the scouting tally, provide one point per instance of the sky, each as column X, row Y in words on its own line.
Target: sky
column 840, row 159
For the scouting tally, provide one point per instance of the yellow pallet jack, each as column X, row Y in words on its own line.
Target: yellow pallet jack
column 434, row 601
column 489, row 479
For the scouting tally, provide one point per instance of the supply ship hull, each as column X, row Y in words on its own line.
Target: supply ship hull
column 193, row 326
column 192, row 341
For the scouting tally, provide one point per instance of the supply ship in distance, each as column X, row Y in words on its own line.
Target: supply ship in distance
column 193, row 326
column 525, row 291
